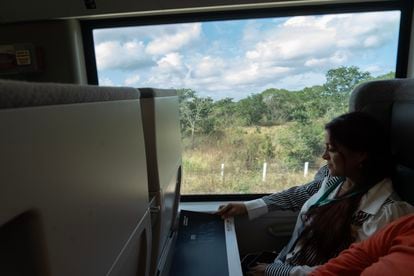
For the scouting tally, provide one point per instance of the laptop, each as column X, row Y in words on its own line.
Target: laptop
column 206, row 245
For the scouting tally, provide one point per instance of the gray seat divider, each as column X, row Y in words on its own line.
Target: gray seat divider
column 163, row 144
column 80, row 168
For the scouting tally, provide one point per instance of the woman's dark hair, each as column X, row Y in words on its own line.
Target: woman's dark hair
column 328, row 227
column 358, row 131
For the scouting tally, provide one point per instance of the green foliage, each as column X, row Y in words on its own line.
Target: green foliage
column 185, row 94
column 224, row 113
column 344, row 79
column 194, row 113
column 266, row 148
column 273, row 106
column 252, row 150
column 302, row 111
column 247, row 154
column 300, row 143
column 251, row 110
column 279, row 104
column 281, row 127
column 387, row 76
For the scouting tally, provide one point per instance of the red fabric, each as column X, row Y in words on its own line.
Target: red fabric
column 389, row 252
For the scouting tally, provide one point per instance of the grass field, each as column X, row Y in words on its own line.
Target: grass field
column 239, row 149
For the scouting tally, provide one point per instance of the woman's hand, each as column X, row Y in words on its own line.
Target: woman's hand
column 231, row 210
column 257, row 270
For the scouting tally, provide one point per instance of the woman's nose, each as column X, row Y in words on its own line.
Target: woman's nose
column 325, row 155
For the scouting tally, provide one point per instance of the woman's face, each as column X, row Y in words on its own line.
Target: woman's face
column 341, row 160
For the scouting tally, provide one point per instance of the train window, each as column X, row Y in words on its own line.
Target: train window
column 255, row 93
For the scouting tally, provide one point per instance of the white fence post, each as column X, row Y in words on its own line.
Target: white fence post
column 264, row 171
column 222, row 172
column 305, row 169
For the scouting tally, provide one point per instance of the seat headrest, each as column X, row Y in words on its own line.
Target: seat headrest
column 16, row 94
column 402, row 132
column 402, row 138
column 377, row 97
column 392, row 102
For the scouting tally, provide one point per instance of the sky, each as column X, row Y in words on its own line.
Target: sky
column 238, row 58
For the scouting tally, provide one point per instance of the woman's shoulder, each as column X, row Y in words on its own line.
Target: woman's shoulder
column 390, row 210
column 394, row 199
column 378, row 207
column 379, row 196
column 395, row 205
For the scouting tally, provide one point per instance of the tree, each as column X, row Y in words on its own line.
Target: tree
column 387, row 76
column 343, row 79
column 339, row 84
column 266, row 148
column 300, row 143
column 194, row 110
column 251, row 109
column 185, row 93
column 311, row 104
column 224, row 113
column 279, row 105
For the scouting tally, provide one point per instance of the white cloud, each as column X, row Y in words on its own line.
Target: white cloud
column 117, row 55
column 254, row 73
column 171, row 61
column 298, row 81
column 372, row 41
column 338, row 58
column 296, row 40
column 250, row 31
column 135, row 47
column 132, row 80
column 169, row 72
column 322, row 41
column 106, row 82
column 209, row 66
column 366, row 30
column 376, row 69
column 170, row 42
column 122, row 35
column 288, row 54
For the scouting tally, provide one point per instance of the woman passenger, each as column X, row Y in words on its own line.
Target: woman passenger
column 350, row 199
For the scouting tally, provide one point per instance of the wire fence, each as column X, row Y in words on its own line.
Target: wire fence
column 225, row 178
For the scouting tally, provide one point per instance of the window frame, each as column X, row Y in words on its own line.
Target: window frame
column 405, row 7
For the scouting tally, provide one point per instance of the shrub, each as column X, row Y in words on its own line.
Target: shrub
column 300, row 143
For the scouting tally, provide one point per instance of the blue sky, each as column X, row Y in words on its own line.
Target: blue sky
column 241, row 57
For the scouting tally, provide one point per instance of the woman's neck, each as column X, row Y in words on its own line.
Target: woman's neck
column 348, row 185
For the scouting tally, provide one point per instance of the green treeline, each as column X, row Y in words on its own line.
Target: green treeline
column 275, row 125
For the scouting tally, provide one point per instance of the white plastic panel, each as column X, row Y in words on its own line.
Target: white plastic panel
column 82, row 167
column 163, row 142
column 138, row 248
